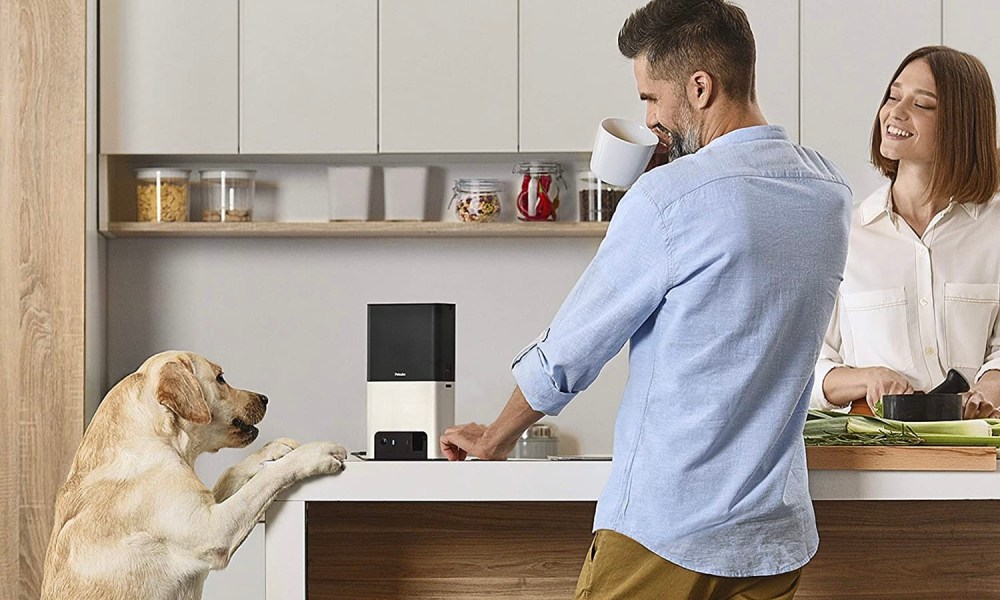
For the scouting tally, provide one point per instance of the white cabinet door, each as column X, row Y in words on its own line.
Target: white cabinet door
column 850, row 49
column 572, row 74
column 448, row 75
column 970, row 26
column 308, row 76
column 168, row 76
column 775, row 25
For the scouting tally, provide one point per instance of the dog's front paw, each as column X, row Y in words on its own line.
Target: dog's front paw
column 319, row 458
column 275, row 449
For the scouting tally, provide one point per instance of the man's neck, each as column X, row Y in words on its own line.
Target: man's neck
column 728, row 116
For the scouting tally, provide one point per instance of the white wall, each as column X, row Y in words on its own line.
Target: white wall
column 288, row 318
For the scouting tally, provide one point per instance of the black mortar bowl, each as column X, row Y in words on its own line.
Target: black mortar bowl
column 943, row 403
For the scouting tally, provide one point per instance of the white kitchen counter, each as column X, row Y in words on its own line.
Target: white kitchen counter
column 557, row 481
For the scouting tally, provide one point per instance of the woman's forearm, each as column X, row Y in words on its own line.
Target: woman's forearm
column 844, row 385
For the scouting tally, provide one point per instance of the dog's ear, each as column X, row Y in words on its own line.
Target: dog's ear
column 178, row 390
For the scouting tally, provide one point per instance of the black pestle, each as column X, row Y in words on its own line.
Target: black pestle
column 954, row 383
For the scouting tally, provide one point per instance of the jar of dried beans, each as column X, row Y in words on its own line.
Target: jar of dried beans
column 162, row 195
column 538, row 193
column 228, row 195
column 477, row 200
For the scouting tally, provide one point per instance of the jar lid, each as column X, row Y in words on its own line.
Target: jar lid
column 152, row 173
column 220, row 173
column 538, row 167
column 589, row 178
column 475, row 184
column 538, row 430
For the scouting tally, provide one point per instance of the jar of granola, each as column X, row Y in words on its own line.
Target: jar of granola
column 162, row 195
column 538, row 197
column 477, row 200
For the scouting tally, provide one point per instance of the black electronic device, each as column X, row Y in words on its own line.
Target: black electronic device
column 400, row 445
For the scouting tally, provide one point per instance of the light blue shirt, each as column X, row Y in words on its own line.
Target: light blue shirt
column 721, row 270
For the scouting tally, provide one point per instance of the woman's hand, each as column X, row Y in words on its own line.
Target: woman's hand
column 975, row 405
column 983, row 400
column 881, row 381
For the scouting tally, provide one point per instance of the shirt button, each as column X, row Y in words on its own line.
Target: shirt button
column 923, row 302
column 929, row 351
column 923, row 249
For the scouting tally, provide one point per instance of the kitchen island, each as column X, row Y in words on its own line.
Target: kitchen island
column 520, row 529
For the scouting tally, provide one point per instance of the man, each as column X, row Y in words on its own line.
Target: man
column 721, row 269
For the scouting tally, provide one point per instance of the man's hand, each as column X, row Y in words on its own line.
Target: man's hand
column 494, row 442
column 460, row 441
column 881, row 381
column 661, row 154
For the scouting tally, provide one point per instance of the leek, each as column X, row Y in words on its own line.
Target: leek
column 969, row 427
column 829, row 428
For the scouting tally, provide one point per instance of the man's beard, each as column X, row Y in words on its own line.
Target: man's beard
column 688, row 139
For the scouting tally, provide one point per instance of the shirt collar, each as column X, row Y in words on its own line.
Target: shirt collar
column 750, row 134
column 879, row 204
column 972, row 209
column 876, row 205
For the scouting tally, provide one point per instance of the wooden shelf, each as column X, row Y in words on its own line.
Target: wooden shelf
column 355, row 229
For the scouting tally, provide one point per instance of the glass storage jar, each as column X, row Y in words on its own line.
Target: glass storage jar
column 477, row 200
column 538, row 195
column 598, row 199
column 537, row 441
column 162, row 195
column 227, row 196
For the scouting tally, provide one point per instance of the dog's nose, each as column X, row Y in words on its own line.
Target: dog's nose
column 263, row 399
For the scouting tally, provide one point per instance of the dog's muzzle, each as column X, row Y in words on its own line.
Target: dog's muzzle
column 246, row 429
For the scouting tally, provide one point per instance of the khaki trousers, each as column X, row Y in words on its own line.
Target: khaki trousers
column 619, row 568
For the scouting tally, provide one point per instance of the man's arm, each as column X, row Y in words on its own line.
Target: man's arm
column 624, row 284
column 496, row 441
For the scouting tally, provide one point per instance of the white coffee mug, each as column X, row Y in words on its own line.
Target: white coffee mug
column 621, row 151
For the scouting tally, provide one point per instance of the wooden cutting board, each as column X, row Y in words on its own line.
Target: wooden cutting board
column 902, row 458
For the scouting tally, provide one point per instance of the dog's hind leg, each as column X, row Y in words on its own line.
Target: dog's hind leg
column 239, row 474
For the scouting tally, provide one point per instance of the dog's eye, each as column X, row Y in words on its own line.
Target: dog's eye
column 220, row 379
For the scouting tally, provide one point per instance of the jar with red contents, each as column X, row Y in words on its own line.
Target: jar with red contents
column 538, row 194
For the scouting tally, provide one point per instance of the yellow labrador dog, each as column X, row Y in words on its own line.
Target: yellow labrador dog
column 133, row 521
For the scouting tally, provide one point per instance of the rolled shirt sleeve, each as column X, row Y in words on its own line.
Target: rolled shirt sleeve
column 622, row 286
column 829, row 359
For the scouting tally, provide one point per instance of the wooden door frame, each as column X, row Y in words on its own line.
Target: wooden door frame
column 43, row 228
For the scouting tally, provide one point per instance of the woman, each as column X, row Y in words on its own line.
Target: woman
column 922, row 284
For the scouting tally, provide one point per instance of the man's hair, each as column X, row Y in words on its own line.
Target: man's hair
column 681, row 37
column 965, row 163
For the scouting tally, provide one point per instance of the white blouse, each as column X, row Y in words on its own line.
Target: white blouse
column 917, row 305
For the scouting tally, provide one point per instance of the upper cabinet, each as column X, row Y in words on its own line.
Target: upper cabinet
column 424, row 76
column 169, row 76
column 964, row 30
column 850, row 49
column 308, row 76
column 571, row 72
column 775, row 25
column 448, row 76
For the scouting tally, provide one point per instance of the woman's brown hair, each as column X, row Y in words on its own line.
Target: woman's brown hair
column 966, row 162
